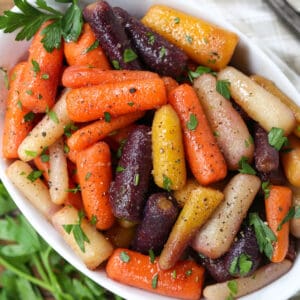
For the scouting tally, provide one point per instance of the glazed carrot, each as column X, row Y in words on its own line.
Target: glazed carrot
column 16, row 126
column 41, row 76
column 205, row 158
column 170, row 83
column 184, row 281
column 115, row 99
column 43, row 166
column 95, row 175
column 86, row 51
column 81, row 76
column 277, row 206
column 72, row 155
column 96, row 131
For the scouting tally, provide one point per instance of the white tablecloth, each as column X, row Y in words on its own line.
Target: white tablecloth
column 260, row 23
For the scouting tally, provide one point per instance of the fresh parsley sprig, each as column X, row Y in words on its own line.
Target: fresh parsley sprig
column 264, row 235
column 30, row 19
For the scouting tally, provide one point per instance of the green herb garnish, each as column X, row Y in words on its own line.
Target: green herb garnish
column 192, row 123
column 223, row 88
column 30, row 19
column 276, row 138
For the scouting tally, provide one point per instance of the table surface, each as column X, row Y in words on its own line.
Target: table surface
column 5, row 4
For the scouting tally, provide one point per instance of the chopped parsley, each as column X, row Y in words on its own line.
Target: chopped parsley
column 192, row 123
column 222, row 88
column 78, row 233
column 276, row 138
column 129, row 55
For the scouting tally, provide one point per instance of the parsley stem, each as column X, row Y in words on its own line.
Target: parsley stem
column 53, row 281
column 26, row 276
column 37, row 264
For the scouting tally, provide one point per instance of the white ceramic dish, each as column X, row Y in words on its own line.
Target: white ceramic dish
column 248, row 58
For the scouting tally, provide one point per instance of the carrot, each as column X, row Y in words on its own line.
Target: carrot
column 184, row 281
column 96, row 131
column 277, row 206
column 95, row 175
column 115, row 99
column 170, row 83
column 72, row 155
column 16, row 126
column 81, row 76
column 41, row 76
column 43, row 166
column 86, row 51
column 205, row 158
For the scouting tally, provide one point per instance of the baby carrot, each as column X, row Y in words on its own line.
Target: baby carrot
column 81, row 76
column 95, row 175
column 277, row 207
column 205, row 158
column 18, row 120
column 184, row 281
column 170, row 83
column 96, row 131
column 86, row 51
column 115, row 99
column 41, row 76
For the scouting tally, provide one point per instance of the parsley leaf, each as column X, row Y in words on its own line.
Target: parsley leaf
column 266, row 188
column 292, row 213
column 264, row 235
column 245, row 168
column 69, row 128
column 124, row 257
column 154, row 281
column 52, row 115
column 129, row 55
column 241, row 264
column 232, row 286
column 162, row 52
column 107, row 117
column 223, row 88
column 152, row 256
column 29, row 117
column 192, row 123
column 6, row 203
column 30, row 19
column 34, row 175
column 167, row 183
column 199, row 71
column 92, row 47
column 79, row 235
column 276, row 138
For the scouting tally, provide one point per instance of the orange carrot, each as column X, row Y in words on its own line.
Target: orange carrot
column 184, row 281
column 115, row 99
column 277, row 206
column 16, row 124
column 170, row 83
column 96, row 131
column 43, row 166
column 86, row 51
column 205, row 158
column 41, row 76
column 81, row 76
column 72, row 155
column 116, row 139
column 95, row 175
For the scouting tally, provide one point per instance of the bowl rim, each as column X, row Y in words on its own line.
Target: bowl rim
column 276, row 290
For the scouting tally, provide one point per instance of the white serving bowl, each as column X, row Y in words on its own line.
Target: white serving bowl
column 248, row 58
